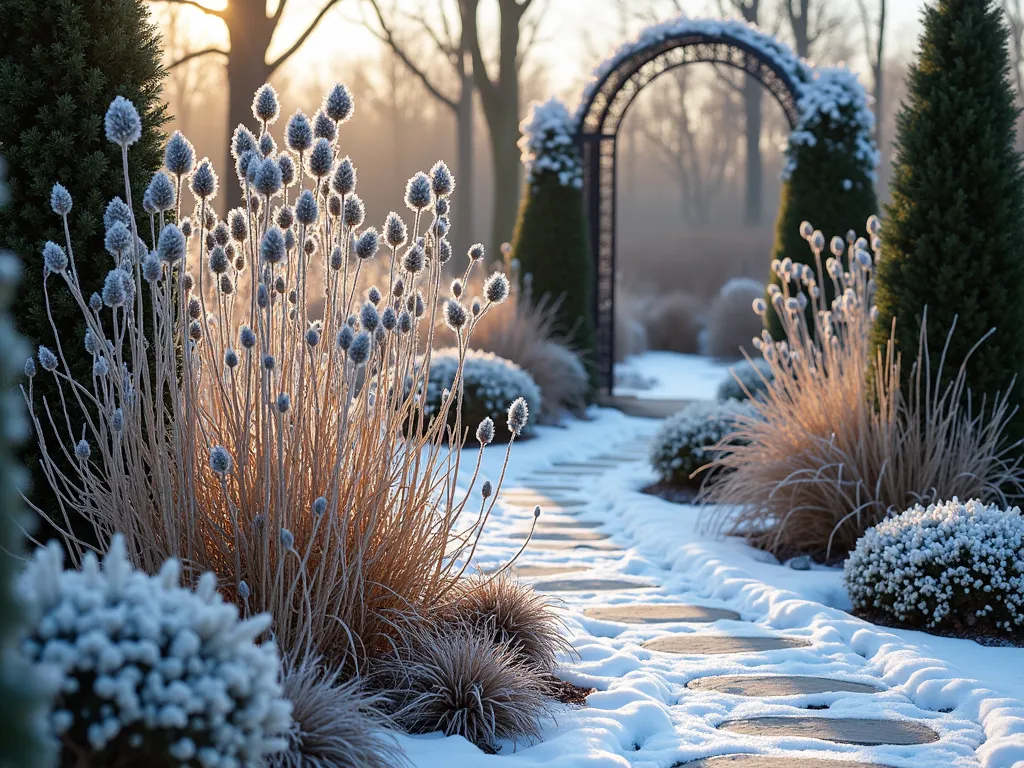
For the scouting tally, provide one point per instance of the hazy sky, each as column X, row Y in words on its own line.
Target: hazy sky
column 573, row 33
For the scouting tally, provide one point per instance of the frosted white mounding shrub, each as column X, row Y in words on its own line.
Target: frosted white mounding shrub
column 952, row 562
column 490, row 385
column 146, row 666
column 753, row 375
column 686, row 441
column 730, row 324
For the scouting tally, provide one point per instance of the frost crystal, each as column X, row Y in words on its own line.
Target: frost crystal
column 54, row 257
column 60, row 200
column 180, row 155
column 122, row 123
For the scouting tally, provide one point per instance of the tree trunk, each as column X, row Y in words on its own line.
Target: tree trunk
column 464, row 222
column 755, row 166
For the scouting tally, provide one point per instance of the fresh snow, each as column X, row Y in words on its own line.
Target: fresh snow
column 671, row 376
column 643, row 716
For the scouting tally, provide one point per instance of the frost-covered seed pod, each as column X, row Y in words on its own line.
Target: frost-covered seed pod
column 284, row 402
column 367, row 244
column 496, row 288
column 457, row 288
column 122, row 123
column 298, row 133
column 837, row 246
column 60, row 200
column 338, row 103
column 476, row 252
column 265, row 105
column 353, row 212
column 414, row 260
column 359, row 350
column 345, row 337
column 418, row 192
column 204, row 181
column 54, row 257
column 220, row 460
column 321, row 159
column 454, row 315
column 395, row 232
column 806, row 230
column 404, row 322
column 518, row 416
column 30, row 367
column 83, row 450
column 485, row 431
column 344, row 179
column 179, row 156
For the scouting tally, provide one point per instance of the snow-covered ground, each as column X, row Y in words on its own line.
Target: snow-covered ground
column 643, row 714
column 670, row 376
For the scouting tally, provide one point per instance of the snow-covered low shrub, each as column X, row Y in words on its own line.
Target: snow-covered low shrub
column 950, row 562
column 146, row 666
column 746, row 378
column 730, row 324
column 490, row 385
column 685, row 442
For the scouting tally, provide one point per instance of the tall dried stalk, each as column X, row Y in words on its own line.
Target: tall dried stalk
column 225, row 428
column 834, row 445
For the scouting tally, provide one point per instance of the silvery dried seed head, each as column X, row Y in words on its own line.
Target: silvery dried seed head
column 486, row 490
column 147, row 203
column 186, row 227
column 180, row 155
column 287, row 166
column 454, row 315
column 418, row 192
column 874, row 225
column 279, row 284
column 352, row 321
column 367, row 244
column 310, row 245
column 388, row 319
column 30, row 367
column 115, row 212
column 242, row 141
column 284, row 402
column 113, row 289
column 287, row 539
column 414, row 259
column 398, row 288
column 267, row 181
column 54, row 257
column 518, row 416
column 100, row 367
column 345, row 336
column 239, row 263
column 476, row 252
column 298, row 134
column 442, row 182
column 485, row 432
column 418, row 305
column 368, row 317
column 324, row 127
column 122, row 123
column 444, row 251
column 806, row 230
column 337, row 258
column 246, row 337
column 210, row 242
column 395, row 232
column 289, row 239
column 187, row 282
column 354, row 213
column 95, row 302
column 441, row 226
column 344, row 179
column 817, row 240
column 272, row 246
column 759, row 306
column 334, row 204
column 161, row 191
column 194, row 307
column 269, row 363
column 321, row 159
column 837, row 246
column 117, row 421
column 204, row 181
column 306, row 210
column 152, row 270
column 379, row 335
column 536, row 511
column 267, row 146
column 230, row 358
column 226, row 286
column 441, row 206
column 82, row 450
column 476, row 308
column 60, row 200
column 90, row 341
column 457, row 288
column 359, row 350
column 496, row 288
column 312, row 337
column 404, row 322
column 47, row 359
column 265, row 104
column 218, row 260
column 338, row 104
column 243, row 590
column 319, row 506
column 374, row 295
column 246, row 166
column 221, row 234
column 220, row 460
column 851, row 236
column 293, row 297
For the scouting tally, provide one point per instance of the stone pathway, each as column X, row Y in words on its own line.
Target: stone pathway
column 679, row 642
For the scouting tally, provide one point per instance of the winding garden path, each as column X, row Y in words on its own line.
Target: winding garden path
column 687, row 675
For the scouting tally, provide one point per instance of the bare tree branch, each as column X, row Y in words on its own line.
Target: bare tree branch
column 302, row 38
column 280, row 10
column 195, row 55
column 200, row 6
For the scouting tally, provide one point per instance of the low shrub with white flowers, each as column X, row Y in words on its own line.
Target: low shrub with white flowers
column 146, row 666
column 489, row 384
column 952, row 562
column 686, row 441
column 747, row 378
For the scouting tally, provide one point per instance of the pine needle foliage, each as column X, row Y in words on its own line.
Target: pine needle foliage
column 953, row 233
column 61, row 64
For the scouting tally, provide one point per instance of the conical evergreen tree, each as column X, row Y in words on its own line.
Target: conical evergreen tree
column 953, row 235
column 830, row 172
column 550, row 239
column 62, row 62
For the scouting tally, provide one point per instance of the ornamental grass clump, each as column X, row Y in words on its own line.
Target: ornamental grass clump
column 291, row 456
column 690, row 440
column 833, row 446
column 945, row 566
column 147, row 667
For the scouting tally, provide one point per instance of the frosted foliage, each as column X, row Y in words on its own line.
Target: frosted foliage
column 746, row 377
column 685, row 442
column 145, row 664
column 953, row 561
column 491, row 384
column 548, row 144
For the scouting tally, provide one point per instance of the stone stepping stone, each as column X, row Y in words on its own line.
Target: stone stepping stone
column 569, row 545
column 867, row 732
column 570, row 471
column 767, row 761
column 766, row 686
column 545, row 502
column 567, row 522
column 590, row 585
column 595, row 463
column 713, row 645
column 543, row 488
column 659, row 613
column 568, row 535
column 536, row 571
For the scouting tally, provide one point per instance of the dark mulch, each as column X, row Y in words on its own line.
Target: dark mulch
column 981, row 634
column 567, row 693
column 677, row 494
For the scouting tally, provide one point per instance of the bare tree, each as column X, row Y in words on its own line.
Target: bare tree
column 451, row 44
column 874, row 44
column 810, row 21
column 250, row 31
column 1015, row 21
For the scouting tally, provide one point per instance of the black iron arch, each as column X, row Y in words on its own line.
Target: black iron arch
column 600, row 116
